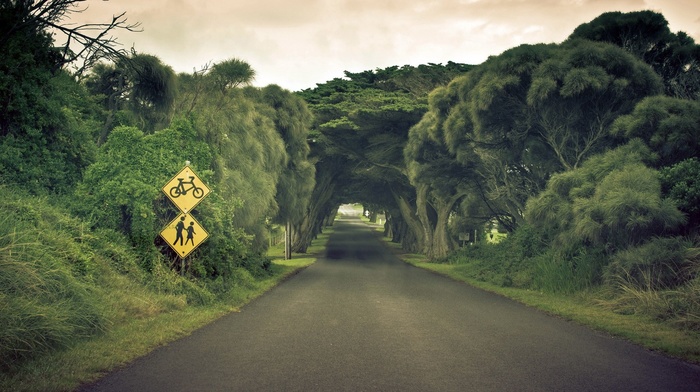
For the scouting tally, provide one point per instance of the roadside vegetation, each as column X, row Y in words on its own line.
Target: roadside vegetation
column 579, row 158
column 595, row 307
column 88, row 137
column 76, row 303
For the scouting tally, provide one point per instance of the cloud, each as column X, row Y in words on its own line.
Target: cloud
column 298, row 43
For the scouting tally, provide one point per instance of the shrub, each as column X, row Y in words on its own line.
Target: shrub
column 612, row 201
column 661, row 263
column 681, row 182
column 556, row 274
column 47, row 299
column 508, row 263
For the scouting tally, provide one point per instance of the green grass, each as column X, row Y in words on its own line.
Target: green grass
column 140, row 319
column 587, row 307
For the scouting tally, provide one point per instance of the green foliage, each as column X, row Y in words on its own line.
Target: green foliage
column 596, row 213
column 509, row 263
column 625, row 209
column 646, row 35
column 136, row 91
column 678, row 307
column 659, row 279
column 681, row 183
column 249, row 154
column 120, row 191
column 150, row 90
column 612, row 201
column 47, row 300
column 293, row 121
column 231, row 73
column 61, row 282
column 554, row 273
column 416, row 81
column 533, row 111
column 661, row 263
column 361, row 127
column 669, row 126
column 47, row 133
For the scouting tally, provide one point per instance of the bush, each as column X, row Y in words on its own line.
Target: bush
column 164, row 280
column 612, row 201
column 121, row 191
column 661, row 263
column 508, row 263
column 681, row 183
column 567, row 275
column 47, row 299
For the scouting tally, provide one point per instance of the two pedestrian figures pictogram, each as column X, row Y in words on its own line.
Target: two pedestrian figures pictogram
column 184, row 233
column 180, row 227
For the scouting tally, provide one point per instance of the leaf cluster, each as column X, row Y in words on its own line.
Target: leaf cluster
column 613, row 201
column 646, row 34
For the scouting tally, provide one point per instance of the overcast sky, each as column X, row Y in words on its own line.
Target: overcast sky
column 299, row 43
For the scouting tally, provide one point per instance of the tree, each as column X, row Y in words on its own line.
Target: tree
column 440, row 180
column 249, row 155
column 431, row 172
column 536, row 110
column 645, row 34
column 46, row 119
column 669, row 126
column 362, row 124
column 231, row 73
column 140, row 86
column 369, row 129
column 292, row 120
column 613, row 201
column 82, row 45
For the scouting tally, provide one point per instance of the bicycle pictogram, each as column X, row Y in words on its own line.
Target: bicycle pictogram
column 180, row 188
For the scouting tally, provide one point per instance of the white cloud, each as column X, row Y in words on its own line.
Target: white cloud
column 297, row 44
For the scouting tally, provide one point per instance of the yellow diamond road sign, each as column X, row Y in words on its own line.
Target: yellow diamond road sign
column 184, row 234
column 186, row 190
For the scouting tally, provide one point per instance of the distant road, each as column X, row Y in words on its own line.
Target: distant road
column 361, row 320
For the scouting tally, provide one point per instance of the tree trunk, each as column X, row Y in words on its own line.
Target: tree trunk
column 442, row 244
column 313, row 219
column 412, row 240
column 425, row 222
column 288, row 241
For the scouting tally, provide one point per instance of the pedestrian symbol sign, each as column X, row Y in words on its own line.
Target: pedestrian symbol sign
column 186, row 190
column 184, row 234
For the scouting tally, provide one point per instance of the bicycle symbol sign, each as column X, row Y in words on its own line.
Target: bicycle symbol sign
column 180, row 189
column 186, row 190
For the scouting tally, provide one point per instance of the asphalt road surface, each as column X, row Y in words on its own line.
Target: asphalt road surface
column 361, row 320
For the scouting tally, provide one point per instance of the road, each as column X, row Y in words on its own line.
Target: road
column 361, row 320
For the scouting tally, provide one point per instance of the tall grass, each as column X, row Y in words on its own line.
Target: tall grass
column 74, row 301
column 659, row 279
column 641, row 294
column 555, row 273
column 61, row 282
column 46, row 299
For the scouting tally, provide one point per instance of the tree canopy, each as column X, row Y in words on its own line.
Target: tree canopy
column 645, row 34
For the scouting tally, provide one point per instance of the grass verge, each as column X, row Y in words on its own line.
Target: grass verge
column 88, row 360
column 586, row 308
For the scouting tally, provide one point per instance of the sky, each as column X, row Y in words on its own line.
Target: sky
column 297, row 44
